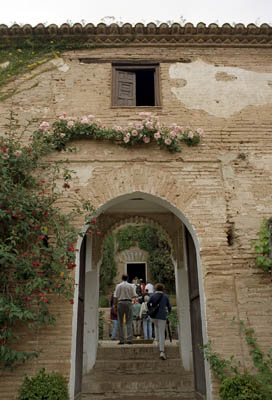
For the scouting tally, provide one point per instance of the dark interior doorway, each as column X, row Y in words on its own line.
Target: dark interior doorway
column 136, row 270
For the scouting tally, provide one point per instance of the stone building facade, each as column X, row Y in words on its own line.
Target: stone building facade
column 209, row 199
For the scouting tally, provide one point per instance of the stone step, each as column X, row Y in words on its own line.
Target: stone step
column 139, row 366
column 142, row 396
column 130, row 372
column 134, row 352
column 157, row 383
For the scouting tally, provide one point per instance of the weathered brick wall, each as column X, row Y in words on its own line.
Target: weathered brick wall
column 223, row 183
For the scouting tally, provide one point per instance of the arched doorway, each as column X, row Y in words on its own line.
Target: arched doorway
column 190, row 296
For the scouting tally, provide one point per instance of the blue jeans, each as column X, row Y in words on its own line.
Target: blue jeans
column 115, row 327
column 147, row 327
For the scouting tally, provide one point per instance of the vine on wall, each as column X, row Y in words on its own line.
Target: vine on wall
column 108, row 268
column 263, row 249
column 237, row 382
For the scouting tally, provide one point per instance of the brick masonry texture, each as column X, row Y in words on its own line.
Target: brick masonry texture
column 223, row 183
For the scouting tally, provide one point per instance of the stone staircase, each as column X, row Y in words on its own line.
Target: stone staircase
column 134, row 372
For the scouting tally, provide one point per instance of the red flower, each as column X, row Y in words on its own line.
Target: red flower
column 70, row 248
column 71, row 266
column 66, row 186
column 9, row 211
column 72, row 301
column 99, row 233
column 90, row 232
column 35, row 263
column 93, row 220
column 41, row 237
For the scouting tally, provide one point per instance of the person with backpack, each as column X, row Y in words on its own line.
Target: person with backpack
column 147, row 323
column 159, row 319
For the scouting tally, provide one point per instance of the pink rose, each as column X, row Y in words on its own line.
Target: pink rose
column 157, row 135
column 70, row 124
column 145, row 114
column 139, row 127
column 126, row 139
column 190, row 135
column 200, row 131
column 84, row 120
column 118, row 128
column 146, row 139
column 44, row 125
column 5, row 156
column 62, row 135
column 179, row 129
column 17, row 153
column 134, row 132
column 173, row 134
column 168, row 141
column 149, row 125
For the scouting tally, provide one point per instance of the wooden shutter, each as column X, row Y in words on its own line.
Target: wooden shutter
column 125, row 88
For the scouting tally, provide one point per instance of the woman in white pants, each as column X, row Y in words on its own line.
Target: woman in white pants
column 159, row 321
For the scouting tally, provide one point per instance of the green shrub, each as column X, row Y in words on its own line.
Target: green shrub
column 103, row 302
column 108, row 267
column 241, row 387
column 101, row 325
column 44, row 386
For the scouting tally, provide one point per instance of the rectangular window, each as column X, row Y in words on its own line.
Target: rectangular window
column 135, row 85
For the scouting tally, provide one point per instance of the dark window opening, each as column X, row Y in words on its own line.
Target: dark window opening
column 136, row 270
column 135, row 86
column 145, row 94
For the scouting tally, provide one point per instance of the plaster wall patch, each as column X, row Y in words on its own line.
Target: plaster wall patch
column 83, row 174
column 60, row 64
column 220, row 91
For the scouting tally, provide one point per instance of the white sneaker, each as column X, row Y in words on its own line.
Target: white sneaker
column 162, row 355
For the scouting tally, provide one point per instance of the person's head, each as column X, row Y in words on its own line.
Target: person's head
column 124, row 277
column 159, row 287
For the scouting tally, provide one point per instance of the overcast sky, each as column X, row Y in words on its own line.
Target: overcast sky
column 208, row 11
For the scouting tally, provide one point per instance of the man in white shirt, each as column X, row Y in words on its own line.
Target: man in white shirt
column 123, row 295
column 149, row 288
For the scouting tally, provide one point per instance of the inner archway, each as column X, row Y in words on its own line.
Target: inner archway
column 185, row 252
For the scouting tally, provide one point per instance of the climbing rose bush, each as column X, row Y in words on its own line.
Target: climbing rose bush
column 148, row 130
column 37, row 253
